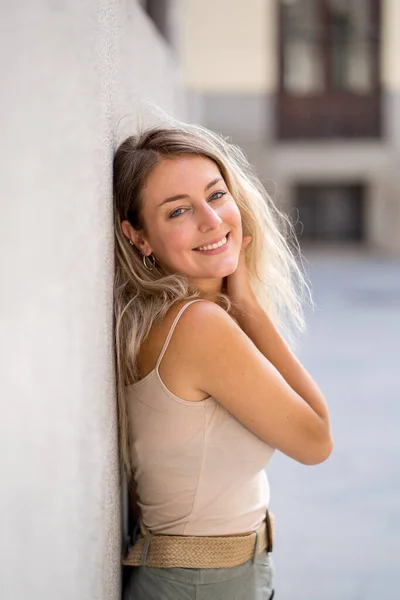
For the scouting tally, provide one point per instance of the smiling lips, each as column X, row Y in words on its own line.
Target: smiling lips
column 213, row 246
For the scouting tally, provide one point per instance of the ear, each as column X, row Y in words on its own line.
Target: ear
column 137, row 237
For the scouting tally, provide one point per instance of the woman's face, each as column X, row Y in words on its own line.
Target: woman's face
column 192, row 222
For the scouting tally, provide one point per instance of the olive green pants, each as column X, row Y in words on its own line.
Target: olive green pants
column 249, row 581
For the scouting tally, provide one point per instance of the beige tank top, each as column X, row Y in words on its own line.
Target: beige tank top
column 198, row 470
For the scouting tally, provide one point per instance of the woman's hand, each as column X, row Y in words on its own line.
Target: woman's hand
column 238, row 284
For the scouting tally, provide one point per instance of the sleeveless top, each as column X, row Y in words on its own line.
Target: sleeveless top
column 198, row 470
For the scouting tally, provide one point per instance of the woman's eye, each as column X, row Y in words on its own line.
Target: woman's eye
column 216, row 195
column 179, row 211
column 176, row 213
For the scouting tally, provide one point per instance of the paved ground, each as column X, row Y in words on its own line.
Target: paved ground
column 338, row 524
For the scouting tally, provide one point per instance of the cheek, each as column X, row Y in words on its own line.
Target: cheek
column 172, row 243
column 180, row 241
column 231, row 215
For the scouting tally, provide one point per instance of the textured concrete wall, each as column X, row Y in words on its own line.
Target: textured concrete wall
column 70, row 72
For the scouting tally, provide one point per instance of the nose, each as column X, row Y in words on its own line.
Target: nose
column 209, row 218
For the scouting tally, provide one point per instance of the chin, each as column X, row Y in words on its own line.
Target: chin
column 221, row 271
column 230, row 270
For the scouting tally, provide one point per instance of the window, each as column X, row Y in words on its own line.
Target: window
column 329, row 69
column 330, row 212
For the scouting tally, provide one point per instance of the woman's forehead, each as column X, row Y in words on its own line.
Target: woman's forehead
column 179, row 175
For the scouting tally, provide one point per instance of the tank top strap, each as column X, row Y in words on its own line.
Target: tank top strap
column 172, row 329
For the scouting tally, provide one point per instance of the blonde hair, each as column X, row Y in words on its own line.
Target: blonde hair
column 143, row 296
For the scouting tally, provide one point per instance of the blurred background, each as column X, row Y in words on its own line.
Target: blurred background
column 310, row 89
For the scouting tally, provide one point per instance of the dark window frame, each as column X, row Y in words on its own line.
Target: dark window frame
column 331, row 113
column 158, row 12
column 316, row 224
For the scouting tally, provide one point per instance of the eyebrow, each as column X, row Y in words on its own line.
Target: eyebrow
column 183, row 196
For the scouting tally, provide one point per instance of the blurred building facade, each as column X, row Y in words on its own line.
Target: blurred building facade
column 311, row 90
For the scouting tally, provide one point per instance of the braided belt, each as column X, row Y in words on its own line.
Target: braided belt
column 199, row 552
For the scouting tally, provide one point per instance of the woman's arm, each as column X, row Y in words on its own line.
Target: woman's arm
column 248, row 368
column 259, row 328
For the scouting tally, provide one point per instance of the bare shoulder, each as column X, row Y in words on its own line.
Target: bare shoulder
column 213, row 328
column 200, row 323
column 227, row 365
column 213, row 343
column 177, row 366
column 159, row 329
column 204, row 323
column 210, row 355
column 204, row 317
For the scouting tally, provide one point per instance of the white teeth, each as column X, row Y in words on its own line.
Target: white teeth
column 213, row 246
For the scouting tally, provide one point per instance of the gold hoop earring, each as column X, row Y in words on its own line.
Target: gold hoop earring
column 149, row 261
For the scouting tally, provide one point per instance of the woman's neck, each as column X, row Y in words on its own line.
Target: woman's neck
column 209, row 288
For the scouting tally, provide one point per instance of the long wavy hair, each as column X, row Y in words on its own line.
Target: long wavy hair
column 142, row 297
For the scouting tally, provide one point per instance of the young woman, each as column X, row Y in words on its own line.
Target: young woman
column 207, row 386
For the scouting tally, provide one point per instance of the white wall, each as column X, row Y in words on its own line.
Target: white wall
column 70, row 70
column 391, row 44
column 230, row 46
